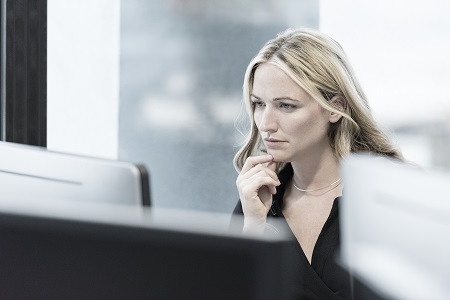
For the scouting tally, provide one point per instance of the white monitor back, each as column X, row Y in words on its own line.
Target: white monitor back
column 396, row 227
column 30, row 172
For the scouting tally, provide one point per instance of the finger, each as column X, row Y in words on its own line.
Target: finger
column 273, row 190
column 257, row 169
column 254, row 183
column 253, row 161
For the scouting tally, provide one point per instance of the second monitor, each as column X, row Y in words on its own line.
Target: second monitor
column 31, row 172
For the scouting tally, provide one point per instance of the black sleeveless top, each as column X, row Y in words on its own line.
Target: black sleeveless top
column 323, row 278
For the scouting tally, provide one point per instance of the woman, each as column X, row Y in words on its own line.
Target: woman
column 307, row 112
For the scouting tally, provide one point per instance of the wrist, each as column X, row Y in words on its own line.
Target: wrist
column 252, row 225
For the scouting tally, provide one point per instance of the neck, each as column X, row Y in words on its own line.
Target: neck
column 316, row 171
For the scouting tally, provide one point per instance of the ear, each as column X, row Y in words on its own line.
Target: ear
column 339, row 103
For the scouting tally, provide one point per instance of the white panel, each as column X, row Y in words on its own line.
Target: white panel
column 395, row 220
column 83, row 76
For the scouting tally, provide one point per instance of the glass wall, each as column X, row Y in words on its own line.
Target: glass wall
column 182, row 66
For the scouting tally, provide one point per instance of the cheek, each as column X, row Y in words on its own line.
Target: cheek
column 319, row 127
column 305, row 126
column 257, row 118
column 297, row 124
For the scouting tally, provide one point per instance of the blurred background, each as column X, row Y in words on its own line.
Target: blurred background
column 182, row 64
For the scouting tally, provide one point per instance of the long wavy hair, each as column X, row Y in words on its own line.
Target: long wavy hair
column 319, row 65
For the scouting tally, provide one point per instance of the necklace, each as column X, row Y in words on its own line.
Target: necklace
column 315, row 190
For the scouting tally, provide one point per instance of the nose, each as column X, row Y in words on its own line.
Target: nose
column 268, row 120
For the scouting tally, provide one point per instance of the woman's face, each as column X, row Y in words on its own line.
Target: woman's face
column 291, row 123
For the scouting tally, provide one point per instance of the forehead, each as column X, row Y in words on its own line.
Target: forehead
column 270, row 81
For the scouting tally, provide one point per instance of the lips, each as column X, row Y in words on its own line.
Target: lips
column 273, row 142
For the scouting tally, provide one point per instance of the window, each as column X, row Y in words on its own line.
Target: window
column 182, row 67
column 399, row 50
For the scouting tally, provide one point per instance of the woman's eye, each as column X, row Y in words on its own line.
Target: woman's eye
column 287, row 106
column 259, row 104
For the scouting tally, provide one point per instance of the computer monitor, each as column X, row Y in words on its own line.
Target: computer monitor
column 34, row 172
column 395, row 222
column 98, row 251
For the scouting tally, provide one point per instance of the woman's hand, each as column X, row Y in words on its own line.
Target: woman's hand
column 256, row 184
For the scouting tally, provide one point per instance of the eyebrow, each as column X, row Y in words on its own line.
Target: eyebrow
column 277, row 98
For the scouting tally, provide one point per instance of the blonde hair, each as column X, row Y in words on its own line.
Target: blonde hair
column 319, row 65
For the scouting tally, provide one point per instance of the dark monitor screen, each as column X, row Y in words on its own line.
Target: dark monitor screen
column 34, row 172
column 125, row 253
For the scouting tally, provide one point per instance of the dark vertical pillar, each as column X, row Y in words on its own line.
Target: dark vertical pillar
column 2, row 67
column 25, row 74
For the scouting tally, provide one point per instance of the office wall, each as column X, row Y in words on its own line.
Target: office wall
column 83, row 76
